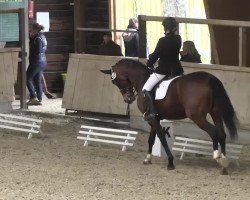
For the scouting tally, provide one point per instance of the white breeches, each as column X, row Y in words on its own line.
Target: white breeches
column 152, row 81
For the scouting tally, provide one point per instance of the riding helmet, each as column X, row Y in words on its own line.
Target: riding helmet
column 170, row 24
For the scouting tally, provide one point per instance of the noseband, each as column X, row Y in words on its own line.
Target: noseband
column 127, row 89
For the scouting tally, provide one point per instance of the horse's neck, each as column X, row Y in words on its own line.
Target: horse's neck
column 138, row 82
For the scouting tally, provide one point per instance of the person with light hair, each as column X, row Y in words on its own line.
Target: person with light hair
column 131, row 39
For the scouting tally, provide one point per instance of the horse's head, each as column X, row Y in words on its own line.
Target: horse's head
column 123, row 83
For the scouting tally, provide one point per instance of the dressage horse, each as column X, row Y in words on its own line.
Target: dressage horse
column 192, row 96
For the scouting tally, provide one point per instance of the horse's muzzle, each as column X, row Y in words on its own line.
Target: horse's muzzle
column 129, row 99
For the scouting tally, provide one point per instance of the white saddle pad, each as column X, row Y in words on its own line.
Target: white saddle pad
column 162, row 89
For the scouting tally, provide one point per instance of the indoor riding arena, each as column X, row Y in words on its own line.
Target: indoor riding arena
column 70, row 132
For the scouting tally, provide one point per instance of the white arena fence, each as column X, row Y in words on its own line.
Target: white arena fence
column 204, row 147
column 107, row 135
column 184, row 145
column 19, row 123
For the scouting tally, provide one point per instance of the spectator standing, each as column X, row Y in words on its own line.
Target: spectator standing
column 109, row 47
column 190, row 53
column 37, row 64
column 131, row 40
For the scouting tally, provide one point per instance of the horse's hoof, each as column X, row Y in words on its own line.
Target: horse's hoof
column 223, row 162
column 224, row 171
column 171, row 167
column 147, row 162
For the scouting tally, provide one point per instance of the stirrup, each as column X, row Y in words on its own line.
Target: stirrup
column 150, row 116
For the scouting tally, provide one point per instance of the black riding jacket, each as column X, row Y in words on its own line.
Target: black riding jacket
column 167, row 51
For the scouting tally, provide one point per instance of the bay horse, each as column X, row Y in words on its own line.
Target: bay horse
column 192, row 96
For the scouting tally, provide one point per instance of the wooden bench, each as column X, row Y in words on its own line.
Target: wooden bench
column 19, row 123
column 203, row 147
column 107, row 135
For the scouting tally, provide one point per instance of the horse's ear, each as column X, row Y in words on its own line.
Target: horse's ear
column 106, row 71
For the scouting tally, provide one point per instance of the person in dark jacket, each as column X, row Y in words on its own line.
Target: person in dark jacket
column 167, row 51
column 109, row 47
column 37, row 64
column 131, row 39
column 190, row 53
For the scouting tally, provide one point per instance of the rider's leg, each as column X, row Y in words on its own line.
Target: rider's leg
column 152, row 114
column 148, row 86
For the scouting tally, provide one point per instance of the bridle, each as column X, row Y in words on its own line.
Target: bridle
column 125, row 89
column 130, row 88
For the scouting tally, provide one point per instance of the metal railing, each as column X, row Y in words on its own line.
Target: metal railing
column 242, row 25
column 79, row 29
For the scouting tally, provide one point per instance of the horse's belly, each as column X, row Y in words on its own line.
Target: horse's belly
column 172, row 113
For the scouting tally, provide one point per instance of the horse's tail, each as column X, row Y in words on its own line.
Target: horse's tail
column 225, row 107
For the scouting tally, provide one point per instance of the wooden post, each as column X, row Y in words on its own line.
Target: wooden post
column 21, row 16
column 214, row 52
column 112, row 17
column 142, row 37
column 242, row 47
column 79, row 21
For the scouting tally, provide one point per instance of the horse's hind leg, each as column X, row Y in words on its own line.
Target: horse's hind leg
column 151, row 141
column 221, row 135
column 211, row 130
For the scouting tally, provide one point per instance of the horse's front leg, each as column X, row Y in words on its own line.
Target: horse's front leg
column 151, row 141
column 156, row 127
column 161, row 135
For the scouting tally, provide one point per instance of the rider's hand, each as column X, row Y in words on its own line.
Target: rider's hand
column 151, row 67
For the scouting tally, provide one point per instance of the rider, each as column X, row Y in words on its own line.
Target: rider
column 167, row 51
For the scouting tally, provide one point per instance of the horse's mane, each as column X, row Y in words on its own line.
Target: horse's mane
column 139, row 72
column 133, row 64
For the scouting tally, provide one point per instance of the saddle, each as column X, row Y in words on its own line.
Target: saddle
column 161, row 88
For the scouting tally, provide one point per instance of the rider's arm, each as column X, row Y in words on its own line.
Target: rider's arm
column 154, row 56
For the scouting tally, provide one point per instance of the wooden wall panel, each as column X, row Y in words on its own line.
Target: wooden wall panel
column 88, row 89
column 70, row 83
column 8, row 73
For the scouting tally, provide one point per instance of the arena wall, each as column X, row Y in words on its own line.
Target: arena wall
column 87, row 89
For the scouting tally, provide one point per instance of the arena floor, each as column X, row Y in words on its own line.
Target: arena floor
column 58, row 166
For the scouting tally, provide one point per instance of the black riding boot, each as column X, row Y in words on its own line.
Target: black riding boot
column 153, row 114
